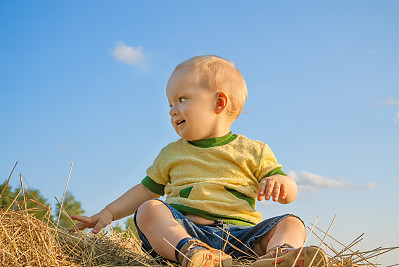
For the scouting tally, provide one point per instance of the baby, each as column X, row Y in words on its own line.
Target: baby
column 211, row 178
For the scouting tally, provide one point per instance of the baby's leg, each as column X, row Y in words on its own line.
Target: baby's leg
column 156, row 222
column 289, row 230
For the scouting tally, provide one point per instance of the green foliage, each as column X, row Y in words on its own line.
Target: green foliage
column 31, row 200
column 71, row 206
column 7, row 196
column 129, row 225
column 36, row 204
column 117, row 228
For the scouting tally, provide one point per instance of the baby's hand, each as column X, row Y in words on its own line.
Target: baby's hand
column 274, row 186
column 97, row 221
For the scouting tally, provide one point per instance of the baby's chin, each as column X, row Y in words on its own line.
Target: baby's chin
column 188, row 137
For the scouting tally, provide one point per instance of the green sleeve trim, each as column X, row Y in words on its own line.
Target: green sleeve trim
column 211, row 216
column 250, row 200
column 153, row 186
column 275, row 171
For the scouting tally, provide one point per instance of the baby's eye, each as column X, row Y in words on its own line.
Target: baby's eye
column 182, row 99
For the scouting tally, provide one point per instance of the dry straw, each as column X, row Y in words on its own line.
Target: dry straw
column 27, row 241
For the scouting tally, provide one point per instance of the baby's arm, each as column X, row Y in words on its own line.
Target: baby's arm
column 124, row 206
column 281, row 188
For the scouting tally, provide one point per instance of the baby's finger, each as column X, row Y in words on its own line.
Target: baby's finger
column 77, row 226
column 269, row 189
column 276, row 191
column 283, row 191
column 82, row 219
column 97, row 228
column 261, row 191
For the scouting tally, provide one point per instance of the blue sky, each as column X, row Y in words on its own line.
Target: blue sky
column 85, row 81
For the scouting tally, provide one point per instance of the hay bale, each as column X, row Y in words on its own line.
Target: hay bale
column 105, row 249
column 27, row 241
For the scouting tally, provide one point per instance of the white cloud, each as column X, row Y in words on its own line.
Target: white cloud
column 389, row 102
column 374, row 51
column 67, row 148
column 396, row 119
column 128, row 54
column 293, row 175
column 264, row 88
column 321, row 181
column 310, row 182
column 307, row 188
column 370, row 185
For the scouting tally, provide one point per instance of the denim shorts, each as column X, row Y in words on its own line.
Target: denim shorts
column 241, row 238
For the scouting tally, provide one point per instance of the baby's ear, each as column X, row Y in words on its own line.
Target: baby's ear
column 221, row 102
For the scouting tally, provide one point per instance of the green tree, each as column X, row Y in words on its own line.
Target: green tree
column 7, row 196
column 36, row 204
column 117, row 228
column 129, row 225
column 72, row 207
column 31, row 200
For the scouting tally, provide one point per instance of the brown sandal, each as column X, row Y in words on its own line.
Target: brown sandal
column 286, row 255
column 197, row 253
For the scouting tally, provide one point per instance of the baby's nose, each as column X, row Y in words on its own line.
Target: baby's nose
column 173, row 111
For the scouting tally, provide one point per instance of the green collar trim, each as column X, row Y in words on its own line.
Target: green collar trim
column 212, row 142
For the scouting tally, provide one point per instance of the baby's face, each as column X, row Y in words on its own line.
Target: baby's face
column 192, row 106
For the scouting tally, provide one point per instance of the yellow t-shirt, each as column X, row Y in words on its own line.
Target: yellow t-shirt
column 215, row 180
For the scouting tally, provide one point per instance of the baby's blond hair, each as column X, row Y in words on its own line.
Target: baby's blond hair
column 219, row 74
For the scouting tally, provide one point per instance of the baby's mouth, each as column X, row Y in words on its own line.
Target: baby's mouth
column 180, row 122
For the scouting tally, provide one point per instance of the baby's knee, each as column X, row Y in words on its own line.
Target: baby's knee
column 146, row 212
column 293, row 223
